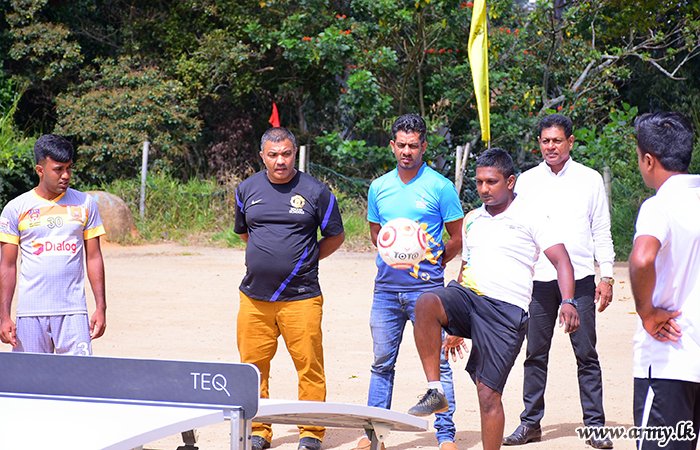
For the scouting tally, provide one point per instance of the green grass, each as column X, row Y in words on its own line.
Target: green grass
column 188, row 213
column 203, row 212
column 356, row 230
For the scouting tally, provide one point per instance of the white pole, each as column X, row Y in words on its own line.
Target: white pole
column 144, row 171
column 302, row 158
column 458, row 168
column 607, row 181
column 462, row 167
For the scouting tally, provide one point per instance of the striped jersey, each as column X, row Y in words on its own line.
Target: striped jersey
column 50, row 234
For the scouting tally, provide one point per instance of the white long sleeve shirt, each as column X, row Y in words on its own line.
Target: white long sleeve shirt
column 575, row 201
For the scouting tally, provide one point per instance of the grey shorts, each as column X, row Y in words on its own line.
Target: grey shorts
column 68, row 334
column 497, row 330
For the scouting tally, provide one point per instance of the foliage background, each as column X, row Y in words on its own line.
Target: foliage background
column 198, row 78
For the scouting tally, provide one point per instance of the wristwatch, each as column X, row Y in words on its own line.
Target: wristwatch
column 609, row 280
column 570, row 301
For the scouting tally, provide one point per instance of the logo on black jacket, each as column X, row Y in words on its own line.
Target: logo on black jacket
column 297, row 203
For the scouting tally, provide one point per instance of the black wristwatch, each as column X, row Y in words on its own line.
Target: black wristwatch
column 570, row 301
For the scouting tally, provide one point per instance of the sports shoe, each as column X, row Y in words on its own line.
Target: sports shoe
column 432, row 402
column 309, row 443
column 259, row 442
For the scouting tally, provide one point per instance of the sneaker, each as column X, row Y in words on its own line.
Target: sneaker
column 432, row 402
column 259, row 443
column 309, row 443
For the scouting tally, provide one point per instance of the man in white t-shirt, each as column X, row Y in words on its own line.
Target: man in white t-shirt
column 57, row 232
column 489, row 303
column 665, row 276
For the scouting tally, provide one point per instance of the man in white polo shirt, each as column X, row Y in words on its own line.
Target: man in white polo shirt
column 665, row 276
column 489, row 303
column 574, row 198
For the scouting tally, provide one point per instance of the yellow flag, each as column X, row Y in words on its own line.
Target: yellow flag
column 479, row 62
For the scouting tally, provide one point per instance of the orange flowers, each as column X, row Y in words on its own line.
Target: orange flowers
column 306, row 38
column 441, row 50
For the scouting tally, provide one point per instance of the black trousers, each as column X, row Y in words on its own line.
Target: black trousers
column 544, row 311
column 667, row 403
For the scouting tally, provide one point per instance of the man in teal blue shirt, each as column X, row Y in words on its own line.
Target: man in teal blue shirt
column 414, row 191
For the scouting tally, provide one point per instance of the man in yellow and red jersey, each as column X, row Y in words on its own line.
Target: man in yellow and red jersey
column 57, row 230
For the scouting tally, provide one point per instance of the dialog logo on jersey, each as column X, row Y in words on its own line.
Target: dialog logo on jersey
column 54, row 247
column 297, row 203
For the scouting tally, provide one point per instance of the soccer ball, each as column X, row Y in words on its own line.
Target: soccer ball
column 402, row 243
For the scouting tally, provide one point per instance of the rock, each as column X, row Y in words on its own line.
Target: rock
column 116, row 216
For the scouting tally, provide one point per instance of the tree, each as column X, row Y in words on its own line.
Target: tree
column 16, row 158
column 116, row 108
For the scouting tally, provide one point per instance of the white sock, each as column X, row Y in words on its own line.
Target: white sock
column 436, row 385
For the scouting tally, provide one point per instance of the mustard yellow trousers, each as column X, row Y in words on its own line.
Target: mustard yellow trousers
column 259, row 326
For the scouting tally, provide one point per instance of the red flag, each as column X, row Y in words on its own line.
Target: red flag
column 275, row 117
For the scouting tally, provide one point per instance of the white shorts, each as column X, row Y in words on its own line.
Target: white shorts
column 54, row 334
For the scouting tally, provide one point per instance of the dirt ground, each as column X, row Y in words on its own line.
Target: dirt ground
column 180, row 303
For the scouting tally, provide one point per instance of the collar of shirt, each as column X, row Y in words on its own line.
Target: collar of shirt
column 418, row 174
column 481, row 211
column 561, row 173
column 679, row 181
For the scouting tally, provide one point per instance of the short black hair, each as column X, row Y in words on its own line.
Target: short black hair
column 277, row 134
column 498, row 158
column 410, row 123
column 668, row 136
column 556, row 120
column 52, row 146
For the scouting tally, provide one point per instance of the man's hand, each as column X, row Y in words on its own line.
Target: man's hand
column 604, row 294
column 8, row 332
column 660, row 324
column 568, row 317
column 98, row 324
column 454, row 345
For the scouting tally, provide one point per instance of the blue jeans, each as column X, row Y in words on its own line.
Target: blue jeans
column 390, row 312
